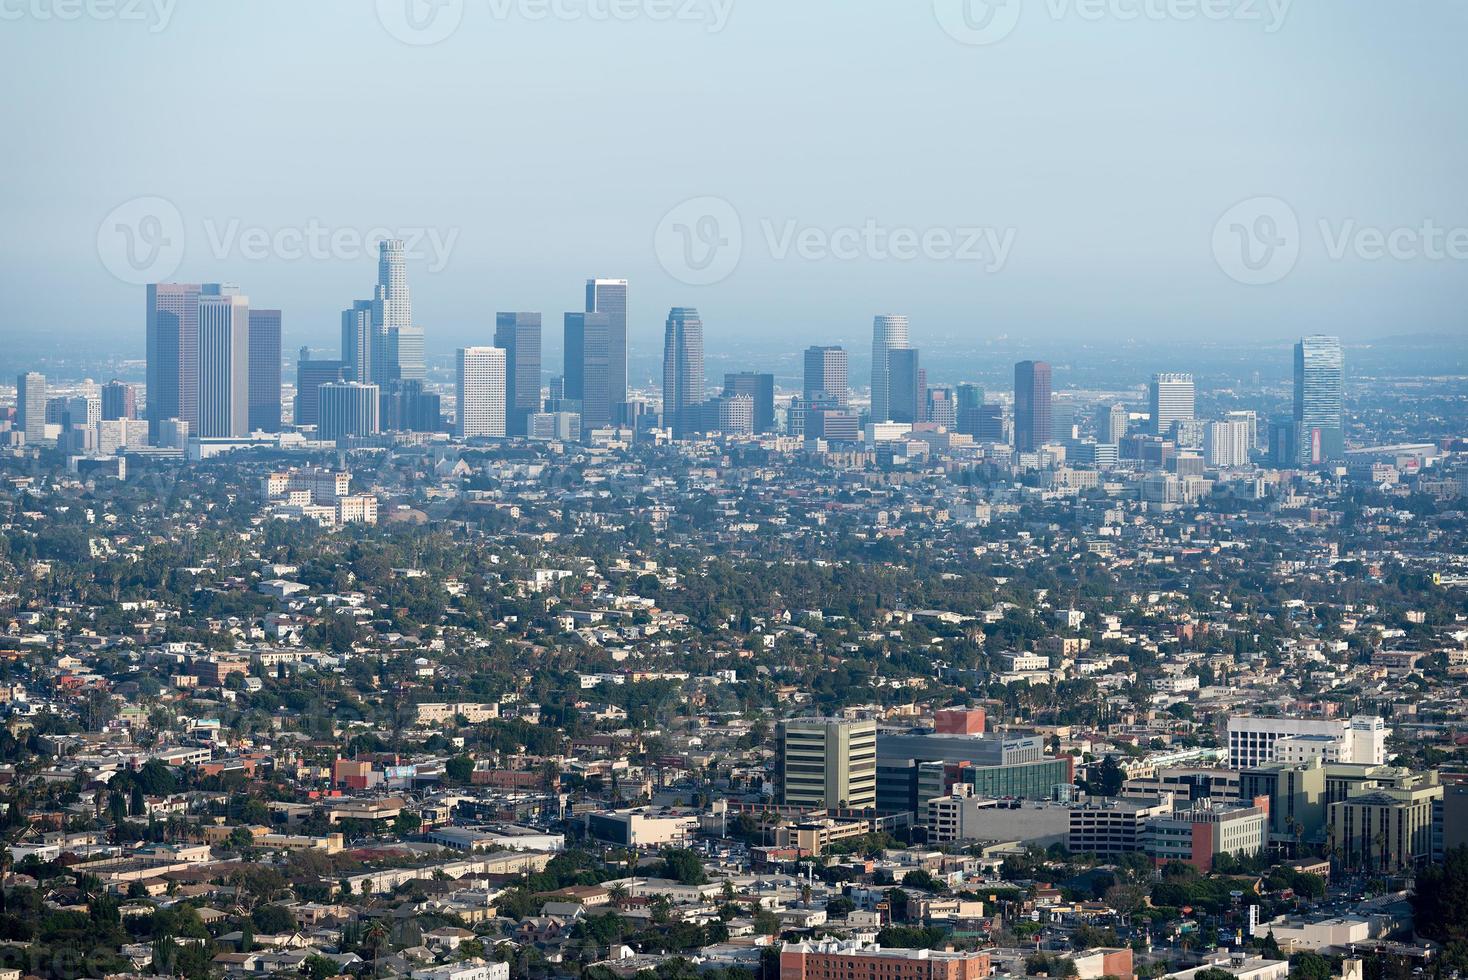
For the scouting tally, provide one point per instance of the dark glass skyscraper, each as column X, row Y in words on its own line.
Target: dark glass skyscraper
column 761, row 390
column 588, row 366
column 358, row 340
column 264, row 408
column 518, row 334
column 119, row 401
column 609, row 296
column 173, row 353
column 683, row 383
column 906, row 398
column 311, row 374
column 1032, row 398
column 1320, row 399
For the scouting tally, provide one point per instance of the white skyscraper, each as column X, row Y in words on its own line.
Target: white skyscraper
column 397, row 345
column 1174, row 399
column 1227, row 443
column 30, row 406
column 481, row 392
column 889, row 333
column 224, row 364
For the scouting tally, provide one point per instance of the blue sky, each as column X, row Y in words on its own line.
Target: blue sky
column 1103, row 147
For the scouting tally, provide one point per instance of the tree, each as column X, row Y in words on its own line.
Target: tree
column 1440, row 901
column 273, row 919
column 1107, row 778
column 1310, row 966
column 459, row 769
column 1213, row 973
column 318, row 967
column 683, row 866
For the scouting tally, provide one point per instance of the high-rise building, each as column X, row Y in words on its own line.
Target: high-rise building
column 889, row 333
column 906, row 398
column 264, row 410
column 397, row 345
column 173, row 352
column 1227, row 444
column 348, row 408
column 587, row 380
column 406, row 406
column 609, row 296
column 1111, row 423
column 1320, row 405
column 760, row 388
column 731, row 414
column 969, row 396
column 518, row 335
column 942, row 408
column 1173, row 399
column 119, row 401
column 358, row 336
column 224, row 364
column 827, row 762
column 1063, row 419
column 481, row 393
column 1033, row 423
column 683, row 382
column 30, row 406
column 311, row 374
column 827, row 382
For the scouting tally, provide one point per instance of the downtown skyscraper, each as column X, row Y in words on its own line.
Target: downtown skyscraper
column 1033, row 419
column 1173, row 398
column 518, row 335
column 481, row 393
column 398, row 351
column 30, row 406
column 173, row 353
column 1320, row 400
column 224, row 364
column 826, row 382
column 609, row 296
column 683, row 381
column 889, row 333
column 587, row 369
column 264, row 371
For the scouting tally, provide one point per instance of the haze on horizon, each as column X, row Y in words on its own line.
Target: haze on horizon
column 1100, row 154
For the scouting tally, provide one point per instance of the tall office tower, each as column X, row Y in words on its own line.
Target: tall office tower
column 1111, row 422
column 969, row 396
column 173, row 352
column 761, row 391
column 826, row 763
column 407, row 349
column 30, row 406
column 682, row 371
column 1032, row 399
column 1173, row 399
column 311, row 374
column 481, row 393
column 1249, row 418
column 609, row 296
column 224, row 364
column 889, row 333
column 1320, row 400
column 518, row 335
column 397, row 346
column 407, row 407
column 1063, row 420
column 942, row 408
column 357, row 339
column 732, row 415
column 119, row 401
column 826, row 378
column 348, row 408
column 264, row 412
column 1226, row 444
column 905, row 381
column 587, row 379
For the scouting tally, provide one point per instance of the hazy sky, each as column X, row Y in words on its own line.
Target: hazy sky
column 1067, row 177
